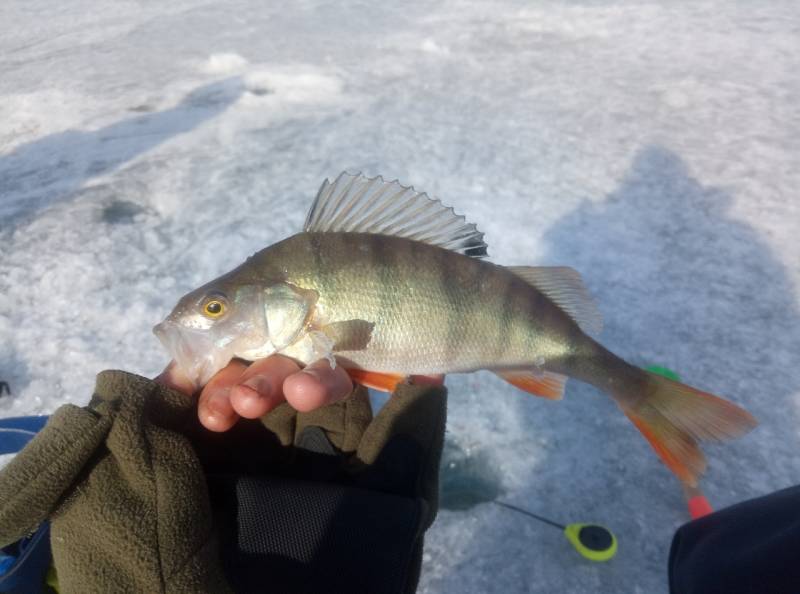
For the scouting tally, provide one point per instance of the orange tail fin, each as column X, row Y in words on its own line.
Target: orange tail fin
column 674, row 417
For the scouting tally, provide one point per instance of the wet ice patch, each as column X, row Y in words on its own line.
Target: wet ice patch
column 141, row 108
column 120, row 212
column 467, row 477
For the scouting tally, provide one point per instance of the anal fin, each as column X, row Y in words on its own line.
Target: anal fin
column 385, row 382
column 539, row 383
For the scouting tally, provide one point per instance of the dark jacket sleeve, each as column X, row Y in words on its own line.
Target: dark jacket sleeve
column 749, row 548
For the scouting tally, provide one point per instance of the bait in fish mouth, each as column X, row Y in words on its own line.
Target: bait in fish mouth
column 387, row 283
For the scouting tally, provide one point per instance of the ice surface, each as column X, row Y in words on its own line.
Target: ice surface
column 147, row 147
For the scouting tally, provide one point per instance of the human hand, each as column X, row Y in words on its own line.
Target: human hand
column 251, row 391
column 327, row 472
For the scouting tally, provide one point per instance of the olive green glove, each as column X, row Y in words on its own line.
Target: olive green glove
column 123, row 489
column 124, row 485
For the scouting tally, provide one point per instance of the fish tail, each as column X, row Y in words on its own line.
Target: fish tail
column 674, row 417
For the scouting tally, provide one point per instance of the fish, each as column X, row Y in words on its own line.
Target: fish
column 388, row 282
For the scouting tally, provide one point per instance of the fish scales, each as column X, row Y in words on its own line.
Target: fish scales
column 434, row 310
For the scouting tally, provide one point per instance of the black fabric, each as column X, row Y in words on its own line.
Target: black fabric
column 313, row 439
column 289, row 536
column 298, row 515
column 749, row 548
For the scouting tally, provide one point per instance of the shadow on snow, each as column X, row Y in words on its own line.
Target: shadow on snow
column 52, row 169
column 683, row 284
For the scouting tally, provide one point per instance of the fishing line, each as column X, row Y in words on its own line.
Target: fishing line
column 530, row 514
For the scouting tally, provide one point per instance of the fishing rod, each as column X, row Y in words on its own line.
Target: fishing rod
column 592, row 541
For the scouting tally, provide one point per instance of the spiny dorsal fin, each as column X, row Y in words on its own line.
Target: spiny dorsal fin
column 354, row 203
column 565, row 287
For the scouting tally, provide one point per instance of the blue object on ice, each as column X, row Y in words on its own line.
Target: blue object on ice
column 18, row 431
column 6, row 561
column 23, row 564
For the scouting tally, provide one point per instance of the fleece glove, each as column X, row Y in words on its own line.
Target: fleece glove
column 143, row 499
column 123, row 489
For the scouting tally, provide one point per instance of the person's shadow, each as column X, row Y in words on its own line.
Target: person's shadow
column 53, row 168
column 683, row 284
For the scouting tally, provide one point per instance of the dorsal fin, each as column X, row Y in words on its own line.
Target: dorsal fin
column 565, row 287
column 354, row 203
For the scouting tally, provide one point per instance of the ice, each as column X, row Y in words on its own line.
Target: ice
column 146, row 148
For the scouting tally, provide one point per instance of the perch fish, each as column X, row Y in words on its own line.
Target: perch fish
column 387, row 282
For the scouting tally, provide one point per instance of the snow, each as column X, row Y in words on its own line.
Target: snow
column 146, row 148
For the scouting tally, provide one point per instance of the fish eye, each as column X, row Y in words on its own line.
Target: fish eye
column 214, row 307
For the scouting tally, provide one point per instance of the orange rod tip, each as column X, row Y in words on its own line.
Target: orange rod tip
column 699, row 507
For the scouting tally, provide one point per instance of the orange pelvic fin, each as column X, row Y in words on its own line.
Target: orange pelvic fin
column 674, row 417
column 543, row 383
column 385, row 382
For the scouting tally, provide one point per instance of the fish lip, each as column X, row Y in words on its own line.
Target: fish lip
column 192, row 350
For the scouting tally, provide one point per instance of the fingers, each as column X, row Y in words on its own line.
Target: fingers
column 260, row 388
column 214, row 407
column 317, row 385
column 240, row 390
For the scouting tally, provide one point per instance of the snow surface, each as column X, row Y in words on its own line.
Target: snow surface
column 148, row 147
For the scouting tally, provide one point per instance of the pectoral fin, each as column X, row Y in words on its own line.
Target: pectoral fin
column 350, row 335
column 322, row 347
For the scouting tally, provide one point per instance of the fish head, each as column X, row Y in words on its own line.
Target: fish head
column 213, row 324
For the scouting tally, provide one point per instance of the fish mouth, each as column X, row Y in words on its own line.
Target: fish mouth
column 195, row 353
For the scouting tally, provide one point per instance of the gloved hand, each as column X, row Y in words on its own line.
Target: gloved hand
column 123, row 490
column 330, row 500
column 325, row 501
